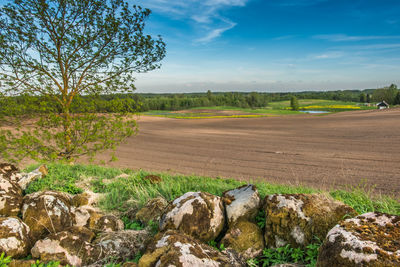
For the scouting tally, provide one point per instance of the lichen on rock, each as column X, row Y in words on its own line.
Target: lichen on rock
column 14, row 237
column 246, row 238
column 197, row 214
column 47, row 212
column 241, row 203
column 71, row 246
column 10, row 198
column 152, row 211
column 172, row 248
column 296, row 219
column 371, row 239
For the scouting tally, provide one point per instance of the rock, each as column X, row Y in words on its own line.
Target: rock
column 122, row 245
column 152, row 211
column 129, row 264
column 24, row 179
column 21, row 263
column 109, row 223
column 371, row 239
column 94, row 219
column 288, row 265
column 297, row 218
column 172, row 248
column 153, row 179
column 197, row 214
column 7, row 170
column 10, row 198
column 241, row 203
column 68, row 247
column 246, row 238
column 87, row 198
column 14, row 237
column 47, row 212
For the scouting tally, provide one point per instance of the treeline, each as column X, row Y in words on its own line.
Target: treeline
column 143, row 102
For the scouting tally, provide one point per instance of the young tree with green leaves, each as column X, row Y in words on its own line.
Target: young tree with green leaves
column 61, row 51
column 294, row 103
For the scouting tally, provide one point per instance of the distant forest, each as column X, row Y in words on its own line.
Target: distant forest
column 136, row 102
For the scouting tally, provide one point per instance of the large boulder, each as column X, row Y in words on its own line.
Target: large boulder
column 152, row 211
column 242, row 203
column 296, row 219
column 246, row 238
column 14, row 237
column 71, row 246
column 122, row 245
column 10, row 198
column 47, row 212
column 371, row 239
column 172, row 248
column 7, row 170
column 197, row 214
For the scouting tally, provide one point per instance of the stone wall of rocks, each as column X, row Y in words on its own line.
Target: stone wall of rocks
column 57, row 226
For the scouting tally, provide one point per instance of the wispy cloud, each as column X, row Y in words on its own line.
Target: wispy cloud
column 349, row 38
column 329, row 55
column 204, row 15
column 214, row 34
column 298, row 2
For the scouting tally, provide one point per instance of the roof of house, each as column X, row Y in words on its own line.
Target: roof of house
column 383, row 103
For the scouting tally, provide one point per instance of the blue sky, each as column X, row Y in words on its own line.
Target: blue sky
column 274, row 45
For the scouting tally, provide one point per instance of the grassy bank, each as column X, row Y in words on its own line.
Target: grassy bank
column 125, row 188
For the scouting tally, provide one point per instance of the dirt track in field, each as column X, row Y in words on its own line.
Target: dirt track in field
column 321, row 151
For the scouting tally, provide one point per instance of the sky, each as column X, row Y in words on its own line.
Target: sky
column 274, row 45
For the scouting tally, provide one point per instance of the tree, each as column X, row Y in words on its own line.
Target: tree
column 294, row 103
column 397, row 99
column 387, row 94
column 368, row 98
column 363, row 98
column 61, row 50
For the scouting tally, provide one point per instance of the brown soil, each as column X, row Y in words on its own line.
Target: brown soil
column 328, row 151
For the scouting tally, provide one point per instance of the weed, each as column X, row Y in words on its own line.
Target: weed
column 4, row 261
column 260, row 219
column 48, row 264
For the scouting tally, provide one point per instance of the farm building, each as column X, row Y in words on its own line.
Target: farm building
column 382, row 105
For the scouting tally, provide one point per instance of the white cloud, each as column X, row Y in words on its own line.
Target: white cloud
column 214, row 34
column 206, row 14
column 346, row 38
column 329, row 55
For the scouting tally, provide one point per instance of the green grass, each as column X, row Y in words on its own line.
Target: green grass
column 133, row 191
column 273, row 109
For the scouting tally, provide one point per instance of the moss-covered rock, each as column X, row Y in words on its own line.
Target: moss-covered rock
column 197, row 214
column 68, row 247
column 7, row 170
column 47, row 212
column 296, row 219
column 371, row 239
column 109, row 223
column 87, row 198
column 242, row 203
column 21, row 263
column 172, row 248
column 152, row 211
column 122, row 245
column 14, row 237
column 246, row 238
column 10, row 198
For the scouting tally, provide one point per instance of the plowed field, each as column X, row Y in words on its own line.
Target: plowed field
column 330, row 151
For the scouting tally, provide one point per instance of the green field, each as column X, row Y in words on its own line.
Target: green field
column 273, row 109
